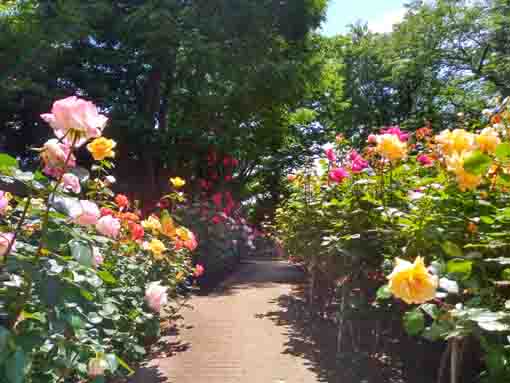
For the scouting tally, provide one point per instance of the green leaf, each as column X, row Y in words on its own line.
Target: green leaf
column 87, row 295
column 107, row 277
column 487, row 220
column 125, row 365
column 461, row 267
column 477, row 163
column 503, row 151
column 451, row 249
column 504, row 178
column 505, row 274
column 16, row 367
column 384, row 292
column 7, row 162
column 81, row 252
column 414, row 322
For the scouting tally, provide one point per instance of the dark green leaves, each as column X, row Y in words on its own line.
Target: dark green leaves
column 414, row 322
column 451, row 249
column 477, row 163
column 16, row 366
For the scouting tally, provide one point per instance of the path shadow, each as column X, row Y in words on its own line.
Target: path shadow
column 149, row 374
column 314, row 340
column 256, row 273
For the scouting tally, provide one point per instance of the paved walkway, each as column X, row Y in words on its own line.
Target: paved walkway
column 242, row 332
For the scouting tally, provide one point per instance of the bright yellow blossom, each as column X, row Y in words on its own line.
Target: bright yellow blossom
column 465, row 180
column 456, row 141
column 157, row 248
column 102, row 148
column 412, row 282
column 488, row 140
column 391, row 147
column 168, row 226
column 152, row 223
column 178, row 182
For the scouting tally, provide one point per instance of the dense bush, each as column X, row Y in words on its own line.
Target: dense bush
column 84, row 279
column 404, row 203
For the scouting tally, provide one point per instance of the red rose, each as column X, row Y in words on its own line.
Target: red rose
column 121, row 200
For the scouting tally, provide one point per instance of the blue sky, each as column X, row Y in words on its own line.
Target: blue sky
column 380, row 14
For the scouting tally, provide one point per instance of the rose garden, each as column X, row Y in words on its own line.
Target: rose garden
column 230, row 195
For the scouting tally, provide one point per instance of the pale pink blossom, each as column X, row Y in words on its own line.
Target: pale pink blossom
column 86, row 213
column 5, row 241
column 97, row 257
column 54, row 155
column 97, row 367
column 4, row 202
column 71, row 182
column 108, row 226
column 372, row 139
column 156, row 296
column 75, row 120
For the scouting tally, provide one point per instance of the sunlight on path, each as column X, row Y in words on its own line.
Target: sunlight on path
column 238, row 333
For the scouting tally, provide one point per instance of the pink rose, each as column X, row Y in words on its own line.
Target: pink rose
column 199, row 271
column 395, row 130
column 54, row 156
column 75, row 118
column 5, row 241
column 4, row 202
column 71, row 182
column 358, row 163
column 156, row 296
column 330, row 153
column 108, row 226
column 86, row 213
column 338, row 175
column 425, row 160
column 372, row 139
column 97, row 257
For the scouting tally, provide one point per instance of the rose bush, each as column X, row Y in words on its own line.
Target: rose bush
column 81, row 292
column 428, row 212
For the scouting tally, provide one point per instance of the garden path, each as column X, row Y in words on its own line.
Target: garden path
column 247, row 330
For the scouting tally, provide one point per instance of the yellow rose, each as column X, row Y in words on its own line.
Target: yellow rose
column 457, row 141
column 101, row 148
column 465, row 180
column 167, row 225
column 390, row 147
column 157, row 248
column 412, row 282
column 183, row 233
column 488, row 140
column 178, row 182
column 152, row 223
